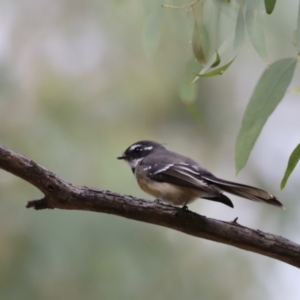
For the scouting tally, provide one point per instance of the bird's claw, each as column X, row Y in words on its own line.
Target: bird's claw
column 185, row 207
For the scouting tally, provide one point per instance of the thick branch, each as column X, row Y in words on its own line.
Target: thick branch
column 63, row 195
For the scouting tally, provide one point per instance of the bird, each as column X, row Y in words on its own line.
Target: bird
column 179, row 180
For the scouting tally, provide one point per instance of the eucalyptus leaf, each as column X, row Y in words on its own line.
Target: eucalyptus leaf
column 239, row 33
column 216, row 72
column 214, row 58
column 217, row 61
column 228, row 8
column 270, row 5
column 152, row 30
column 237, row 43
column 193, row 110
column 293, row 160
column 187, row 90
column 255, row 13
column 268, row 92
column 200, row 42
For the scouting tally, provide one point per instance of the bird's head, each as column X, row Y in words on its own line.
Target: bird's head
column 139, row 150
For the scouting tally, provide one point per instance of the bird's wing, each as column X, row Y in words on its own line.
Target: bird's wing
column 182, row 174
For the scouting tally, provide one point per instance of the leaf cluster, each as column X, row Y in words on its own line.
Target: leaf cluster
column 219, row 29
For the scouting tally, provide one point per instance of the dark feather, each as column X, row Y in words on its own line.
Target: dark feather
column 221, row 198
column 245, row 191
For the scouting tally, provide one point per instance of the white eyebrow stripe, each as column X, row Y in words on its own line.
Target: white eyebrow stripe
column 134, row 146
column 148, row 148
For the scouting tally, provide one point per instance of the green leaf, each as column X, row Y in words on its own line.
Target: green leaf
column 239, row 33
column 218, row 71
column 200, row 42
column 298, row 31
column 268, row 92
column 197, row 45
column 255, row 13
column 193, row 111
column 228, row 8
column 187, row 90
column 152, row 30
column 293, row 160
column 213, row 59
column 269, row 5
column 217, row 61
column 238, row 41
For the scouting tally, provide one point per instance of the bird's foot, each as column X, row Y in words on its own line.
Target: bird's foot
column 185, row 207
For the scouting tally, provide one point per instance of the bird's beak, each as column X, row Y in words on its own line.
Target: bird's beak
column 123, row 156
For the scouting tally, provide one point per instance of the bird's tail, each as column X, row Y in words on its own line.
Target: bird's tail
column 245, row 191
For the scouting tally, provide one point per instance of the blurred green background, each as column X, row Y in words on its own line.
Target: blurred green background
column 79, row 82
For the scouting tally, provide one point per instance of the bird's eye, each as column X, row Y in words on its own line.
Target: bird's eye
column 137, row 150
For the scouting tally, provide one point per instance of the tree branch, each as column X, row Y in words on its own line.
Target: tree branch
column 63, row 195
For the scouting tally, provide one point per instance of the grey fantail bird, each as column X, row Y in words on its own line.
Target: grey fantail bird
column 179, row 180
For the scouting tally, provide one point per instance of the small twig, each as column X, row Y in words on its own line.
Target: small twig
column 235, row 220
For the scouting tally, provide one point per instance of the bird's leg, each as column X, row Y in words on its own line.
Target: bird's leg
column 185, row 207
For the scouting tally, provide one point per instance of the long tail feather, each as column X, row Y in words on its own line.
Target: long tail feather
column 245, row 191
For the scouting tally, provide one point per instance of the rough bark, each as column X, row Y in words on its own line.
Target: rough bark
column 63, row 195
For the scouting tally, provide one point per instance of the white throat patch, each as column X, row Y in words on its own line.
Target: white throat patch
column 134, row 162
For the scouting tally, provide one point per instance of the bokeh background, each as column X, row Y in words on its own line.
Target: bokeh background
column 79, row 82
